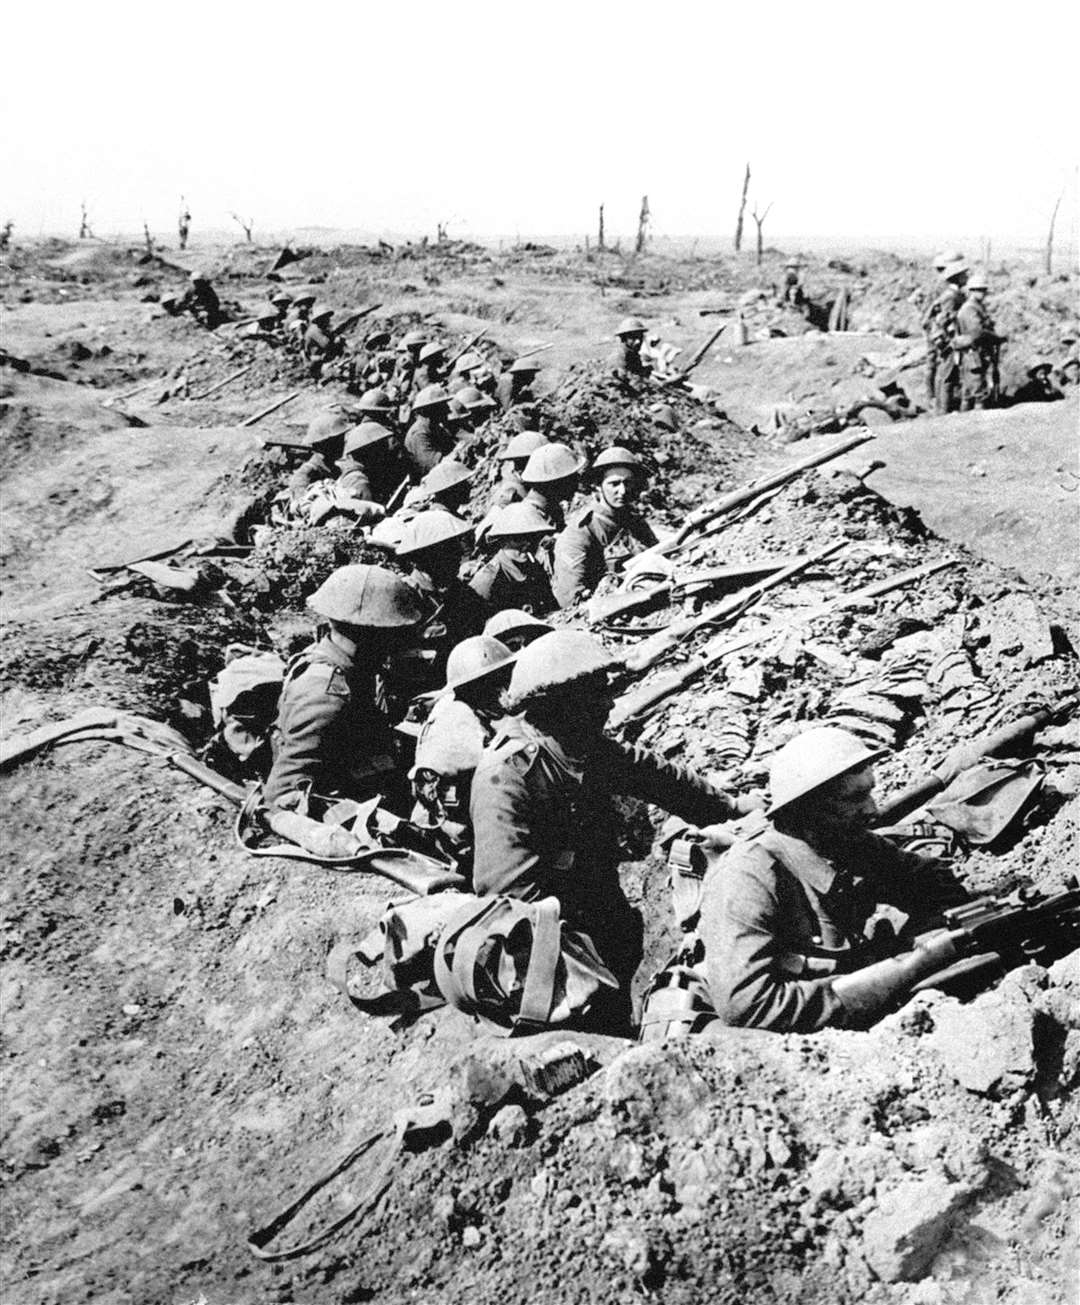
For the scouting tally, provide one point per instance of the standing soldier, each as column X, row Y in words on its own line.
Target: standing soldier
column 606, row 532
column 978, row 345
column 184, row 224
column 939, row 323
column 331, row 739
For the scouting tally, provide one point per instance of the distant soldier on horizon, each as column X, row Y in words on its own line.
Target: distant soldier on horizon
column 184, row 224
column 939, row 324
column 978, row 346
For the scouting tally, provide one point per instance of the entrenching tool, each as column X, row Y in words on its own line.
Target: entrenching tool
column 695, row 358
column 625, row 601
column 644, row 700
column 968, row 754
column 657, row 646
column 719, row 507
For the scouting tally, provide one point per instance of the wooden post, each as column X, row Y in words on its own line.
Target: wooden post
column 1049, row 265
column 742, row 210
column 760, row 221
column 642, row 226
column 600, row 235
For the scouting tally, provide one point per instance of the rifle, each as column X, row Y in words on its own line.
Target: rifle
column 221, row 384
column 265, row 412
column 348, row 323
column 636, row 600
column 695, row 358
column 469, row 344
column 967, row 754
column 396, row 496
column 657, row 646
column 719, row 507
column 982, row 940
column 638, row 703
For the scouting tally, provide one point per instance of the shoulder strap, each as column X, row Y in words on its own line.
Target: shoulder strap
column 538, row 996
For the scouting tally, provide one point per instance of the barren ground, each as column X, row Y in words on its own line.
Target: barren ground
column 175, row 1065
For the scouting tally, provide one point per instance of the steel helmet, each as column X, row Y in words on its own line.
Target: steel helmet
column 432, row 529
column 365, row 435
column 518, row 519
column 303, row 297
column 375, row 401
column 471, row 398
column 431, row 396
column 467, row 362
column 169, row 298
column 978, row 281
column 433, row 350
column 322, row 314
column 951, row 270
column 946, row 257
column 377, row 339
column 524, row 366
column 267, row 313
column 631, row 326
column 367, row 595
column 475, row 659
column 200, row 276
column 794, row 261
column 1039, row 365
column 617, row 456
column 555, row 660
column 326, row 427
column 445, row 475
column 514, row 621
column 281, row 298
column 663, row 415
column 451, row 742
column 522, row 445
column 413, row 339
column 551, row 462
column 814, row 758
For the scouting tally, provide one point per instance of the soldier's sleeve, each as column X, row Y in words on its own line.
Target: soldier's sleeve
column 639, row 773
column 310, row 741
column 750, row 975
column 569, row 580
column 483, row 581
column 919, row 885
column 505, row 857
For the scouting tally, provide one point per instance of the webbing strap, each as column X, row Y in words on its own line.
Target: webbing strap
column 398, row 1001
column 539, row 994
column 455, row 981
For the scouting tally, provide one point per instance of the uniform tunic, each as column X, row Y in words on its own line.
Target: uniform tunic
column 779, row 918
column 976, row 327
column 426, row 444
column 514, row 578
column 329, row 735
column 598, row 540
column 317, row 467
column 629, row 367
column 450, row 615
column 543, row 825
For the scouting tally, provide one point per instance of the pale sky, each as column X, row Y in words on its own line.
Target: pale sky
column 946, row 121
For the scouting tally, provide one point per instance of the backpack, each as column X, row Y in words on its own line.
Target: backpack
column 513, row 965
column 244, row 701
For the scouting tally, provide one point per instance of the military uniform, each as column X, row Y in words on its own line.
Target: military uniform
column 978, row 343
column 330, row 736
column 598, row 540
column 317, row 467
column 629, row 367
column 543, row 825
column 514, row 578
column 450, row 615
column 779, row 919
column 426, row 444
column 551, row 509
column 939, row 324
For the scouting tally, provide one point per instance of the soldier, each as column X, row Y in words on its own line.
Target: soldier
column 1039, row 386
column 434, row 543
column 541, row 798
column 263, row 325
column 326, row 439
column 204, row 303
column 445, row 486
column 791, row 291
column 281, row 301
column 606, row 532
column 784, row 913
column 478, row 407
column 376, row 405
column 296, row 320
column 514, row 576
column 331, row 738
column 939, row 324
column 369, row 453
column 430, row 365
column 978, row 345
column 514, row 394
column 628, row 366
column 551, row 479
column 409, row 347
column 428, row 438
column 515, row 628
column 317, row 342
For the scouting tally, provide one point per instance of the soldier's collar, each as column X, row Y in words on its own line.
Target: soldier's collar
column 802, row 860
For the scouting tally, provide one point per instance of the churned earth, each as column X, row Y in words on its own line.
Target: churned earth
column 176, row 1068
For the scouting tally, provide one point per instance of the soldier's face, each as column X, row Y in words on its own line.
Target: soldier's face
column 618, row 488
column 633, row 342
column 849, row 800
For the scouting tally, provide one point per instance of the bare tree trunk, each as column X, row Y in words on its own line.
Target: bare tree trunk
column 148, row 238
column 1050, row 236
column 600, row 234
column 742, row 210
column 760, row 221
column 246, row 227
column 642, row 226
column 84, row 223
